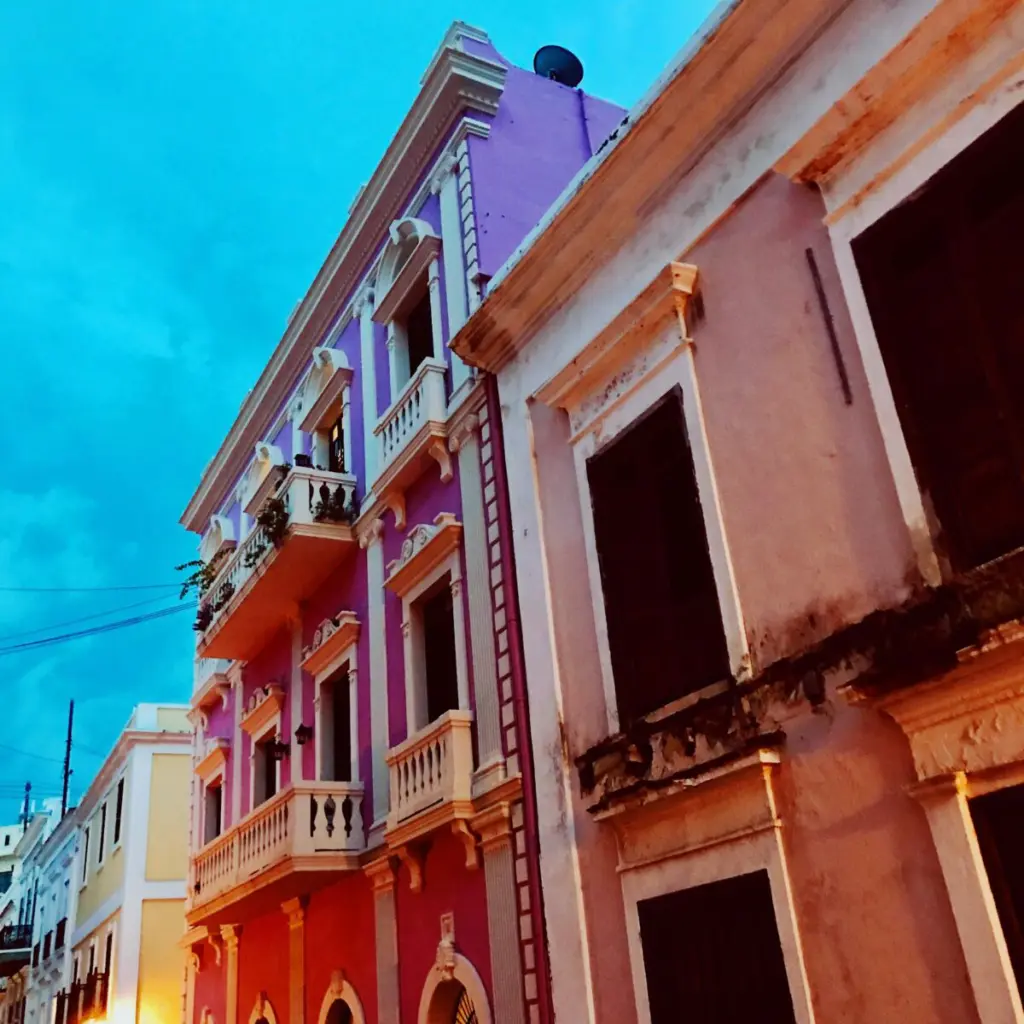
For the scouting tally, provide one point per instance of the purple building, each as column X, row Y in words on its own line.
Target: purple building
column 363, row 833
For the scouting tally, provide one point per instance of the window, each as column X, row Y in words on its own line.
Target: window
column 437, row 628
column 954, row 353
column 85, row 855
column 100, row 846
column 213, row 810
column 999, row 822
column 336, row 728
column 419, row 333
column 265, row 770
column 665, row 632
column 108, row 961
column 336, row 447
column 118, row 809
column 7, row 840
column 715, row 950
column 92, row 957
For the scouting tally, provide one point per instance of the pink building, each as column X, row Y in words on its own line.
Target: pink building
column 364, row 842
column 759, row 371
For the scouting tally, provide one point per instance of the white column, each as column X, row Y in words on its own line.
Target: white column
column 378, row 669
column 436, row 325
column 454, row 263
column 236, row 744
column 353, row 717
column 346, row 427
column 970, row 895
column 368, row 376
column 296, row 700
column 415, row 712
column 459, row 619
column 394, row 371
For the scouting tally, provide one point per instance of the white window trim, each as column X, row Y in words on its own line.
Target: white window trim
column 415, row 683
column 272, row 727
column 218, row 775
column 659, row 361
column 346, row 656
column 102, row 819
column 83, row 877
column 118, row 842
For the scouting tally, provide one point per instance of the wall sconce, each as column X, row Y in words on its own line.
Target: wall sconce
column 278, row 750
column 303, row 734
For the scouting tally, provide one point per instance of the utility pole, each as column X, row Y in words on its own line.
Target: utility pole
column 67, row 762
column 24, row 822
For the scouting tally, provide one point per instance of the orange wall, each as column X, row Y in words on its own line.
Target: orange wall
column 263, row 964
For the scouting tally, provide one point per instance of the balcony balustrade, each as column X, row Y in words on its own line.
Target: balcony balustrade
column 431, row 776
column 298, row 839
column 307, row 535
column 411, row 433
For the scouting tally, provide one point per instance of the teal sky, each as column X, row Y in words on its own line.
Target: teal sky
column 171, row 177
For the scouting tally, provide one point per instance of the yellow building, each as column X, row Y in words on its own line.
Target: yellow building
column 131, row 872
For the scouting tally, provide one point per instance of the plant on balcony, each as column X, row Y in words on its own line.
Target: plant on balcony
column 271, row 524
column 304, row 461
column 332, row 507
column 224, row 594
column 204, row 616
column 201, row 578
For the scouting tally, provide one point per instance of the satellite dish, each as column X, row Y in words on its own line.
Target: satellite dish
column 558, row 64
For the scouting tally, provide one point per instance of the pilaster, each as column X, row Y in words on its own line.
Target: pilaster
column 436, row 323
column 368, row 377
column 494, row 827
column 231, row 933
column 295, row 909
column 371, row 543
column 382, row 877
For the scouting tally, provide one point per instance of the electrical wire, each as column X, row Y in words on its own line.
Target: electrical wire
column 81, row 618
column 28, row 753
column 94, row 630
column 86, row 590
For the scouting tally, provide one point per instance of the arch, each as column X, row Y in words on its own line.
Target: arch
column 412, row 245
column 263, row 1011
column 444, row 986
column 328, row 375
column 340, row 990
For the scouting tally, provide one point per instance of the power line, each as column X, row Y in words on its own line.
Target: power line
column 29, row 753
column 106, row 628
column 86, row 590
column 82, row 618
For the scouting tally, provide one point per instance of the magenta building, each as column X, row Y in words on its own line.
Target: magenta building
column 363, row 835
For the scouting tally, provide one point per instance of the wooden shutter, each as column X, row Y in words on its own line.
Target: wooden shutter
column 665, row 630
column 942, row 274
column 712, row 955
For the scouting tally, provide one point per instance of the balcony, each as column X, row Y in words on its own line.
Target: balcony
column 411, row 433
column 280, row 563
column 15, row 948
column 294, row 842
column 431, row 777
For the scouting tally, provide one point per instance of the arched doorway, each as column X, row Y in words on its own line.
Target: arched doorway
column 339, row 1013
column 458, row 998
column 452, row 1004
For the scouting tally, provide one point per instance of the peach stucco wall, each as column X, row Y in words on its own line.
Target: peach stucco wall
column 811, row 515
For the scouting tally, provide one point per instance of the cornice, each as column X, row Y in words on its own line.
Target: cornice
column 455, row 82
column 728, row 65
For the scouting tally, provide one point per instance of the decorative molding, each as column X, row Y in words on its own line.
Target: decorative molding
column 459, row 435
column 494, row 825
column 214, row 759
column 231, row 934
column 218, row 538
column 330, row 639
column 412, row 249
column 449, row 966
column 381, row 874
column 340, row 989
column 264, row 705
column 412, row 857
column 262, row 477
column 462, row 832
column 322, row 392
column 371, row 533
column 424, row 548
column 295, row 910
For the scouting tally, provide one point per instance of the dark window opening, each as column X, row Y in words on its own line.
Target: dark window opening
column 118, row 808
column 85, row 856
column 715, row 951
column 439, row 663
column 214, row 807
column 419, row 334
column 101, row 847
column 336, row 447
column 339, row 1013
column 665, row 631
column 265, row 771
column 942, row 277
column 999, row 822
column 336, row 728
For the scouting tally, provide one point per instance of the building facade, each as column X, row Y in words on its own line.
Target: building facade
column 364, row 846
column 755, row 371
column 129, row 876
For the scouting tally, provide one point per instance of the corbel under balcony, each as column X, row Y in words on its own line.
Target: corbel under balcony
column 263, row 707
column 332, row 638
column 212, row 690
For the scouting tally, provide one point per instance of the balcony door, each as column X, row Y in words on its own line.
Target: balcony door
column 440, row 674
column 336, row 728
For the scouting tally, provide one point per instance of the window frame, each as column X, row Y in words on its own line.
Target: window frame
column 118, row 833
column 102, row 841
column 83, row 880
column 346, row 659
column 258, row 737
column 660, row 361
